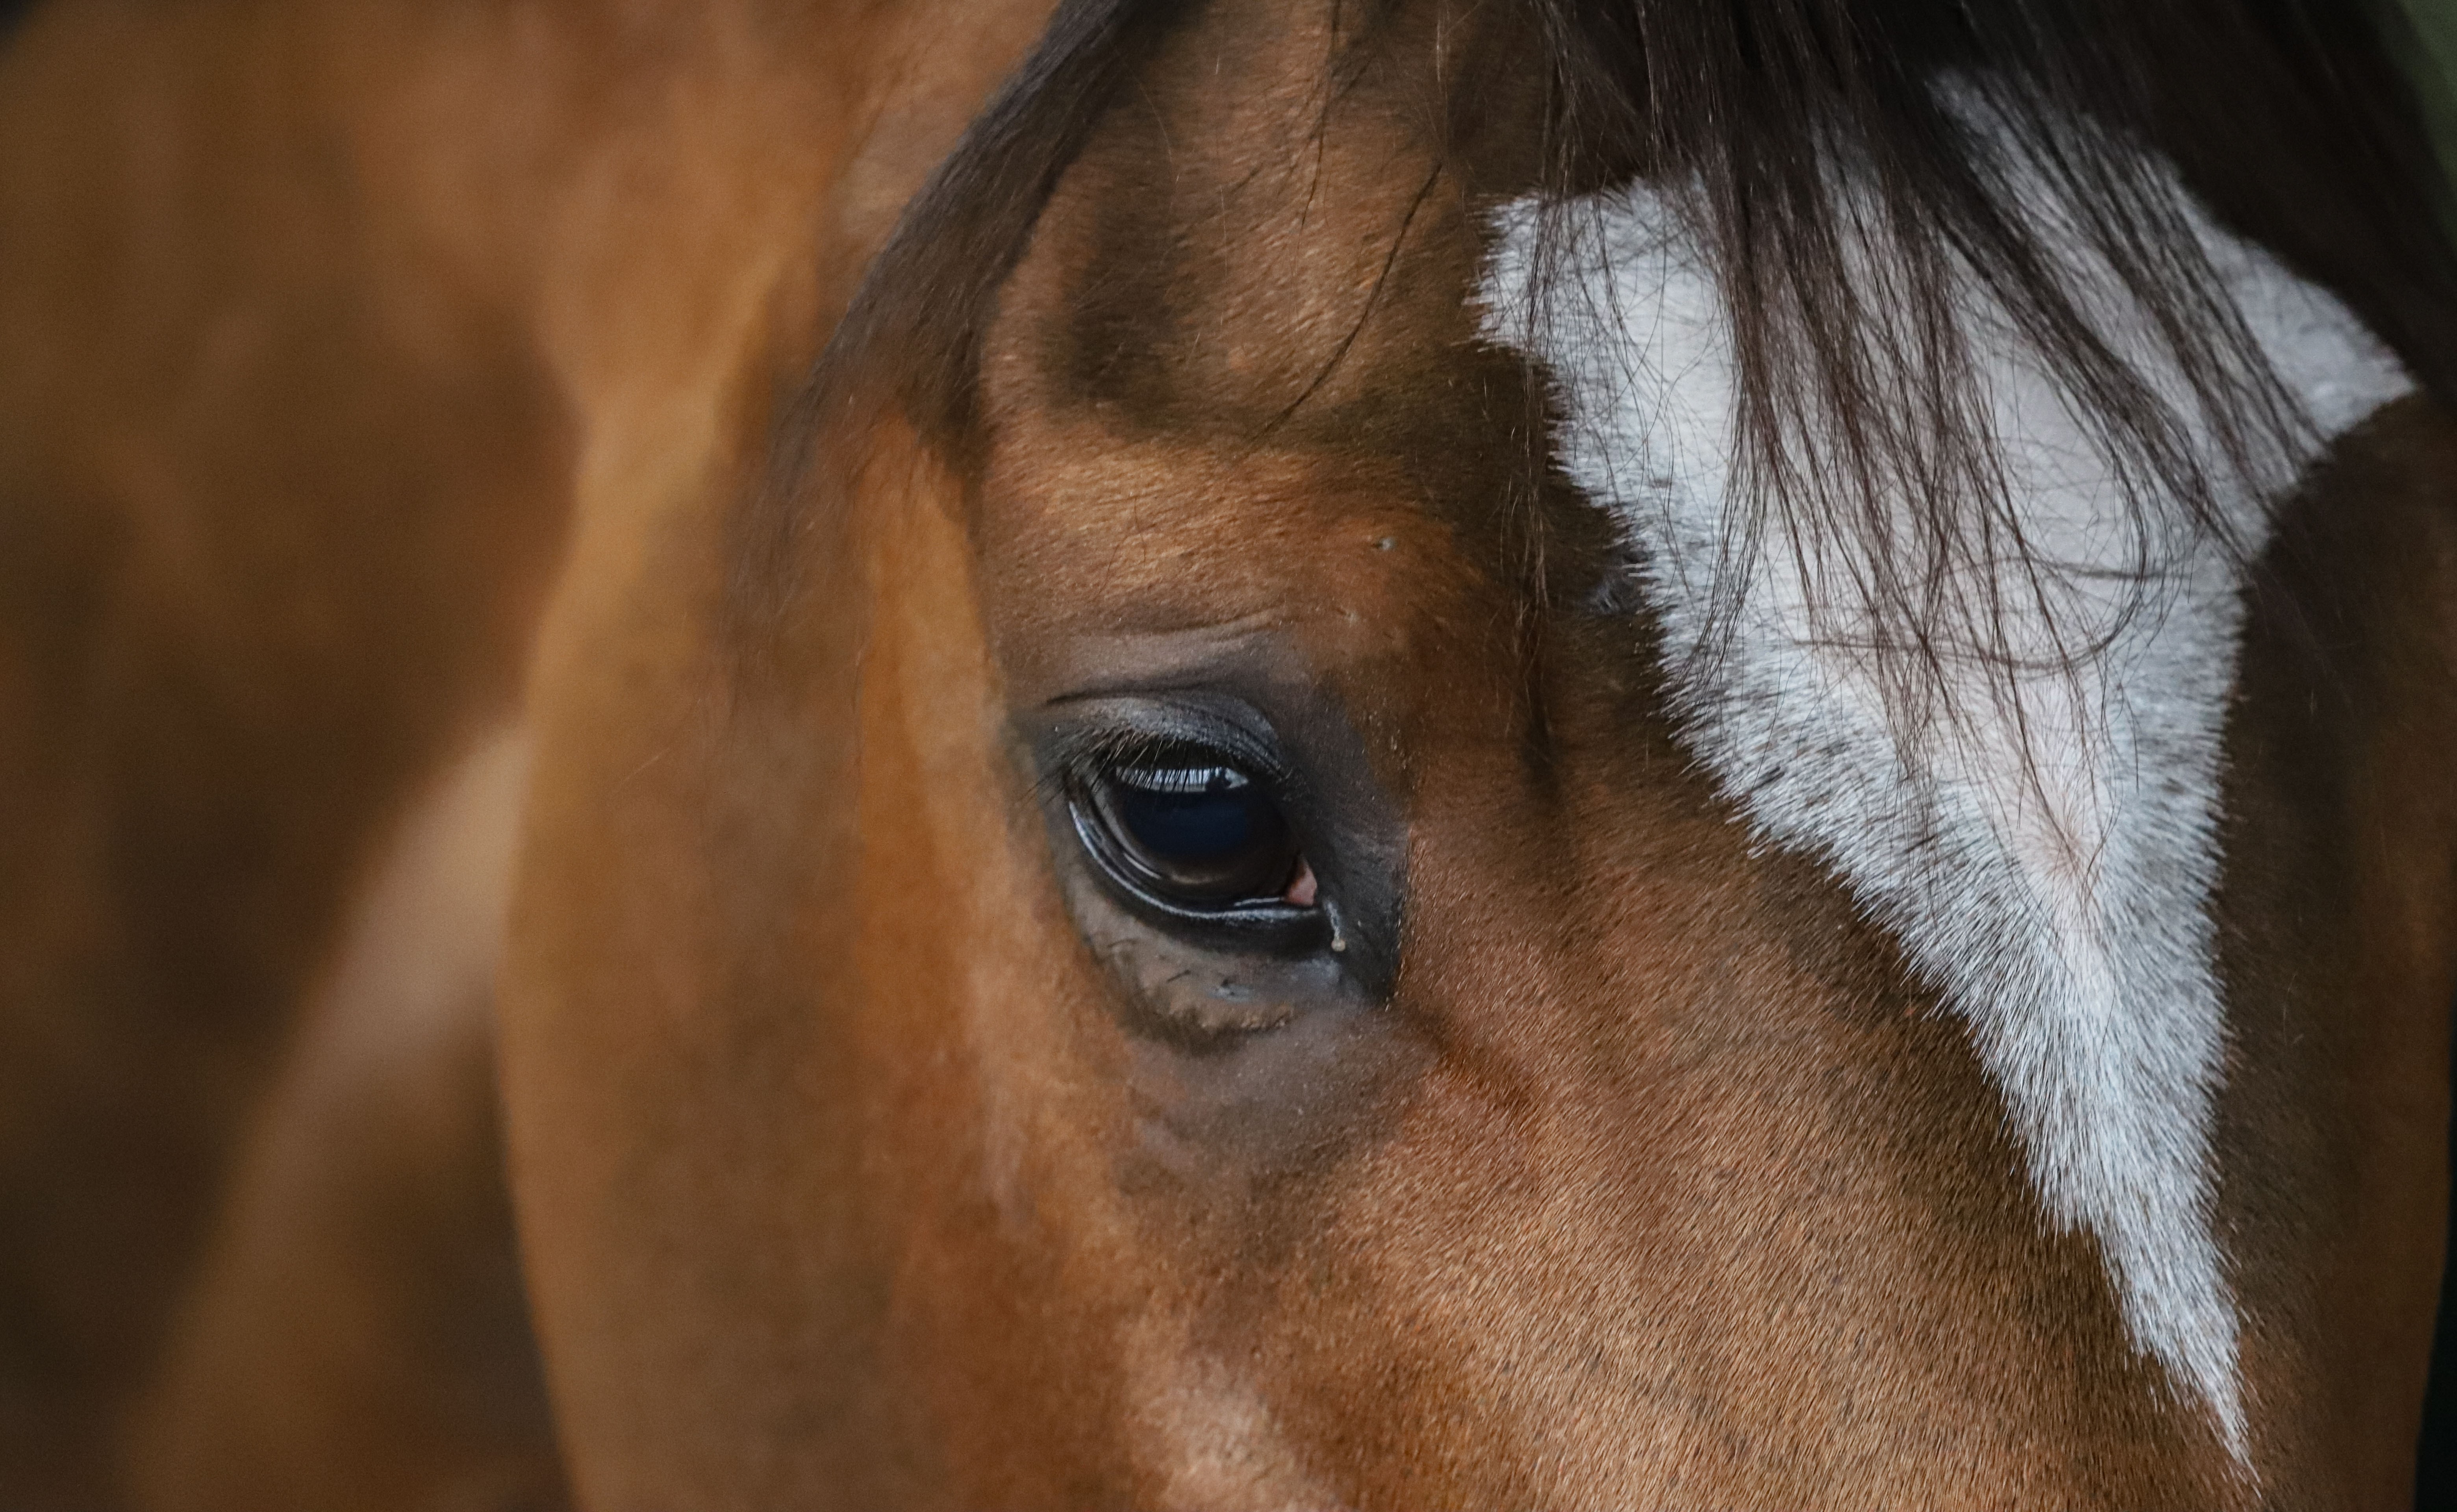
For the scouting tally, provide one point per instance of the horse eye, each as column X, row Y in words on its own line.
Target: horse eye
column 1194, row 834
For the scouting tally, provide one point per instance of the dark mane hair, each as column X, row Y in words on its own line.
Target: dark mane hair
column 2288, row 119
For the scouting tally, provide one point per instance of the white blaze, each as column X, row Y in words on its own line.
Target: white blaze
column 2047, row 852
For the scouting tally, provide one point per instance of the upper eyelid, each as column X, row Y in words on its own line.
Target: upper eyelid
column 1109, row 730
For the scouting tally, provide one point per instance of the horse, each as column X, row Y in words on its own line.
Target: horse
column 1555, row 754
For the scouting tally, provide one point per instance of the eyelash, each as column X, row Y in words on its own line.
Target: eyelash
column 1087, row 753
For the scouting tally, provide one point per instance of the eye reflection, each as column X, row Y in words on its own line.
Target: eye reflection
column 1194, row 834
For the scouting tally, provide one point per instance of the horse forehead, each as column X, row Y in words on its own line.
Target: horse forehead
column 2048, row 854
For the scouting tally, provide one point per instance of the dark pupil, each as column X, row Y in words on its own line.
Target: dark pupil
column 1200, row 834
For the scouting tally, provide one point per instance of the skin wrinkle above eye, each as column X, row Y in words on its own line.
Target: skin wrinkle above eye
column 1091, row 664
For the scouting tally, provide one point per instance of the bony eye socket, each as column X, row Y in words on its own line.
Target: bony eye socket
column 1191, row 833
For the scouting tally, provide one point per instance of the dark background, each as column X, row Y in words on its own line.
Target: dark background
column 2435, row 1479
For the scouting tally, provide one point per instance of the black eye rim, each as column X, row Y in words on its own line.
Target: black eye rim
column 1105, row 735
column 1098, row 825
column 1295, row 733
